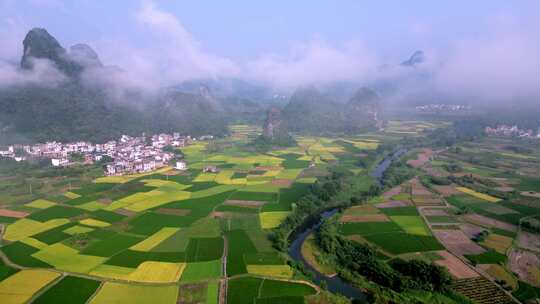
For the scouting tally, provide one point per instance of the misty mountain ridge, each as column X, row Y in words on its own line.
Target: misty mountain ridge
column 79, row 110
column 76, row 110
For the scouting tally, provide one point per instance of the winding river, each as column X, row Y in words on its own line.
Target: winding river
column 335, row 284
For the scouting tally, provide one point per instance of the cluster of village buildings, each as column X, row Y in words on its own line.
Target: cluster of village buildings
column 443, row 108
column 127, row 155
column 512, row 131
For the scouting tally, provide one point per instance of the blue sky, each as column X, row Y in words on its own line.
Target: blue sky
column 289, row 42
column 245, row 29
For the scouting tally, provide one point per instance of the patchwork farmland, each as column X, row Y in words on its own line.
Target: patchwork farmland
column 163, row 237
column 202, row 236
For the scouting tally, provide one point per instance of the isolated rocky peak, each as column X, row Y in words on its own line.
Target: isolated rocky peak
column 274, row 126
column 39, row 44
column 365, row 96
column 417, row 57
column 363, row 108
column 84, row 55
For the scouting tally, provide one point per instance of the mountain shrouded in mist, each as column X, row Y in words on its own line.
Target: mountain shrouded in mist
column 71, row 109
column 310, row 111
column 83, row 104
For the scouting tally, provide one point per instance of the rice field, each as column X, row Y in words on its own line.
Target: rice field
column 271, row 220
column 112, row 292
column 479, row 195
column 277, row 271
column 144, row 237
column 21, row 286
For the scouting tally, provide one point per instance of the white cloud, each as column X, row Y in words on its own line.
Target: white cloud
column 316, row 63
column 503, row 66
column 44, row 73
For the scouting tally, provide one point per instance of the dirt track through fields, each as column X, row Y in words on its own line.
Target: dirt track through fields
column 223, row 283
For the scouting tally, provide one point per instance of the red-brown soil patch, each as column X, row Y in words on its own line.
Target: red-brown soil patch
column 471, row 230
column 268, row 168
column 489, row 222
column 527, row 202
column 529, row 240
column 505, row 189
column 446, row 190
column 394, row 191
column 457, row 242
column 530, row 194
column 421, row 159
column 455, row 266
column 125, row 212
column 427, row 201
column 107, row 201
column 434, row 212
column 393, row 204
column 281, row 182
column 364, row 218
column 247, row 204
column 228, row 215
column 173, row 211
column 12, row 213
column 501, row 210
column 521, row 262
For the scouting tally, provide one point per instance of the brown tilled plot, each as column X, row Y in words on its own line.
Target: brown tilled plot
column 281, row 182
column 434, row 212
column 427, row 200
column 125, row 212
column 268, row 168
column 500, row 210
column 421, row 159
column 393, row 204
column 173, row 211
column 446, row 190
column 394, row 191
column 505, row 189
column 12, row 213
column 365, row 218
column 455, row 266
column 529, row 240
column 471, row 230
column 489, row 222
column 530, row 194
column 521, row 262
column 457, row 242
column 242, row 203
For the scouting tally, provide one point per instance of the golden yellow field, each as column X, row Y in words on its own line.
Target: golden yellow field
column 271, row 220
column 40, row 204
column 71, row 195
column 153, row 240
column 479, row 195
column 26, row 227
column 94, row 223
column 281, row 271
column 147, row 272
column 21, row 286
column 158, row 272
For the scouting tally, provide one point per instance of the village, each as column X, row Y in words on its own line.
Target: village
column 512, row 131
column 127, row 155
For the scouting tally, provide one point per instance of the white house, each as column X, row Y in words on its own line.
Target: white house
column 57, row 162
column 181, row 165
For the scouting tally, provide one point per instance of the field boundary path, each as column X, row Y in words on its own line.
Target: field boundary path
column 223, row 282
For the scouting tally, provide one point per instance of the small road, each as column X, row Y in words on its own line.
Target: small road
column 223, row 282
